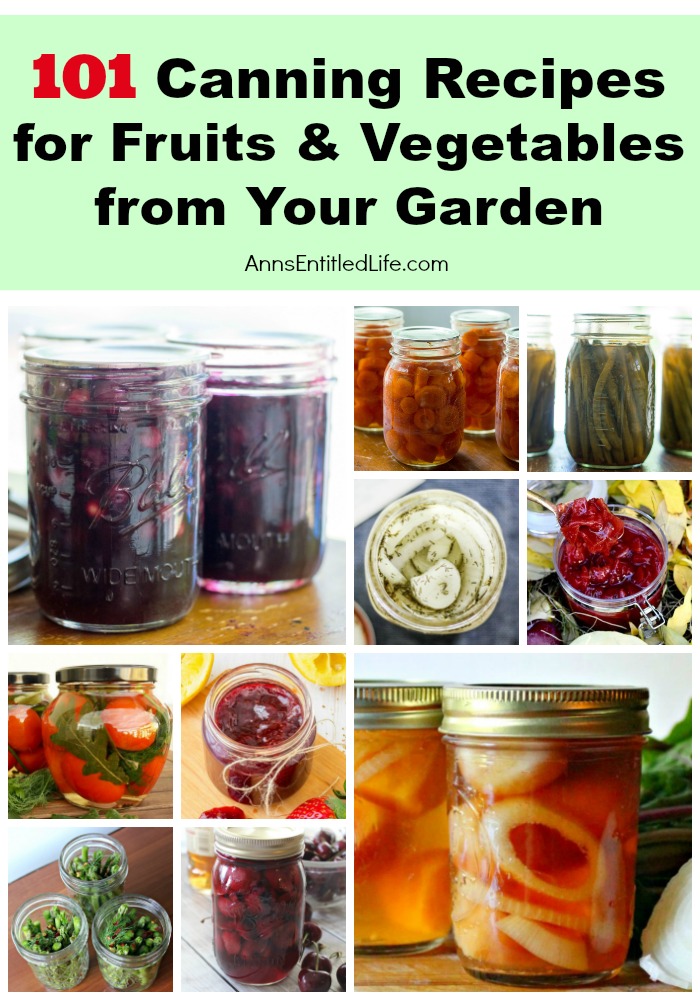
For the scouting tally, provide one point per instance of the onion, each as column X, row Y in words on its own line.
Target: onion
column 498, row 771
column 546, row 944
column 607, row 639
column 469, row 892
column 666, row 940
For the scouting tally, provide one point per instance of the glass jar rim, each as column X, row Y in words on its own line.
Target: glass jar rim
column 118, row 356
column 610, row 325
column 100, row 332
column 397, row 705
column 257, row 347
column 135, row 902
column 98, row 840
column 479, row 317
column 424, row 335
column 378, row 314
column 40, row 903
column 107, row 674
column 259, row 843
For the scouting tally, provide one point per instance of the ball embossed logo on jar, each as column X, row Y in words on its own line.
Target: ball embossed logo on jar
column 145, row 484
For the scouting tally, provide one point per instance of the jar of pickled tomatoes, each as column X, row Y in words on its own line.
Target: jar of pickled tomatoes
column 543, row 802
column 482, row 338
column 258, row 894
column 508, row 398
column 27, row 697
column 374, row 326
column 402, row 894
column 424, row 397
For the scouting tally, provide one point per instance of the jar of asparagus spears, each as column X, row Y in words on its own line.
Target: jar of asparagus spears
column 94, row 869
column 50, row 932
column 541, row 372
column 130, row 937
column 610, row 391
column 677, row 386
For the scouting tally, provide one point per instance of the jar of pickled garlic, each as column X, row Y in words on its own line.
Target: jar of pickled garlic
column 508, row 398
column 482, row 338
column 677, row 389
column 610, row 391
column 374, row 326
column 424, row 397
column 115, row 444
column 543, row 801
column 402, row 885
column 541, row 374
column 106, row 735
column 258, row 897
column 27, row 697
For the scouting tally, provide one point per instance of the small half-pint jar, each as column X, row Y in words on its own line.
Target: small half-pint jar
column 93, row 868
column 611, row 592
column 65, row 968
column 131, row 965
column 258, row 728
column 435, row 563
column 543, row 786
column 402, row 896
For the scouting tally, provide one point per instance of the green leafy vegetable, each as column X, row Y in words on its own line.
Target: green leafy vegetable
column 27, row 791
column 337, row 802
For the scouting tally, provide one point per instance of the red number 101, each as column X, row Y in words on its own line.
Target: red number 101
column 96, row 76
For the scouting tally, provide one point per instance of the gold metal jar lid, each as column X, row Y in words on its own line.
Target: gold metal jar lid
column 259, row 842
column 544, row 712
column 393, row 705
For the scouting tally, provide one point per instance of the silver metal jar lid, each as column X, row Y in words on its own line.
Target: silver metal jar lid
column 121, row 356
column 107, row 673
column 393, row 705
column 259, row 842
column 27, row 678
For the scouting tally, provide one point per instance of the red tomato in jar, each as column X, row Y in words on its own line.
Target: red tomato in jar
column 11, row 762
column 129, row 725
column 23, row 728
column 32, row 760
column 92, row 787
column 150, row 773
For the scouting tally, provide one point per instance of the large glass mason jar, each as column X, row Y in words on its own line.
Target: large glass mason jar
column 610, row 391
column 374, row 326
column 543, row 802
column 541, row 373
column 267, row 456
column 482, row 335
column 27, row 697
column 677, row 388
column 114, row 437
column 402, row 902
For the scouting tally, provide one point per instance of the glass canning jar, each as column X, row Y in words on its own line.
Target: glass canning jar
column 55, row 970
column 610, row 391
column 131, row 972
column 374, row 326
column 435, row 563
column 423, row 397
column 677, row 388
column 482, row 335
column 541, row 377
column 508, row 398
column 543, row 802
column 258, row 727
column 106, row 735
column 92, row 333
column 88, row 856
column 114, row 437
column 266, row 459
column 402, row 892
column 258, row 897
column 27, row 697
column 625, row 587
column 200, row 857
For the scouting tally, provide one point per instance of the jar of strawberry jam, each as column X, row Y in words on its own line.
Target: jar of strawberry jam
column 543, row 797
column 258, row 894
column 613, row 590
column 258, row 727
column 508, row 398
column 482, row 338
column 424, row 397
column 374, row 326
column 266, row 459
column 114, row 437
column 27, row 697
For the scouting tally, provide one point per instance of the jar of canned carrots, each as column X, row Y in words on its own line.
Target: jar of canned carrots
column 374, row 326
column 482, row 339
column 508, row 398
column 424, row 396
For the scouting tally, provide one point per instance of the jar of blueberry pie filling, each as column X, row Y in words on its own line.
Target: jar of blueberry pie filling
column 266, row 461
column 115, row 443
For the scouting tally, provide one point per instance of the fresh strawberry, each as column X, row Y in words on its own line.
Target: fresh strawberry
column 312, row 809
column 223, row 812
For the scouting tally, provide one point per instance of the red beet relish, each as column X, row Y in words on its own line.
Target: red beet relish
column 631, row 565
column 259, row 714
column 590, row 524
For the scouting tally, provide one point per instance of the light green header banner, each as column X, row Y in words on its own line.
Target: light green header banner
column 584, row 126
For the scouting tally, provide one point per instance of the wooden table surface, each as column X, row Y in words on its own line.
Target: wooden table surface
column 150, row 855
column 312, row 615
column 328, row 768
column 442, row 972
column 200, row 972
column 475, row 455
column 558, row 459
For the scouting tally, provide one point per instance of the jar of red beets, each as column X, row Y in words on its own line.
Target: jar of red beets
column 114, row 437
column 258, row 727
column 266, row 462
column 258, row 895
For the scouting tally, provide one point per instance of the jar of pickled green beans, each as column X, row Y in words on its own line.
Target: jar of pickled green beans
column 610, row 391
column 677, row 388
column 93, row 867
column 541, row 371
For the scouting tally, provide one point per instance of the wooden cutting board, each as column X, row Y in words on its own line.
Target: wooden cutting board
column 200, row 793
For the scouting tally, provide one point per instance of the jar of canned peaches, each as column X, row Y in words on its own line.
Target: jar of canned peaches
column 374, row 326
column 424, row 396
column 508, row 398
column 482, row 338
column 543, row 801
column 402, row 885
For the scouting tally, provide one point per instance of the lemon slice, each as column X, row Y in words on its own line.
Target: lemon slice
column 326, row 669
column 195, row 670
